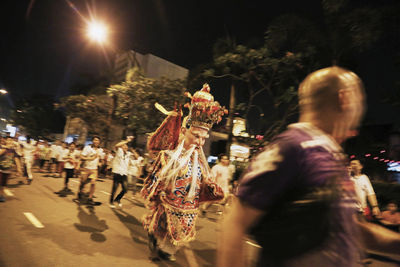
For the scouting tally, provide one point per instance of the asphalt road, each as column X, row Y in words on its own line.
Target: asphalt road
column 41, row 228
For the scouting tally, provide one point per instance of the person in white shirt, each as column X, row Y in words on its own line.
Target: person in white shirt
column 120, row 171
column 135, row 169
column 60, row 158
column 91, row 155
column 222, row 172
column 364, row 190
column 54, row 151
column 70, row 159
column 28, row 149
column 110, row 159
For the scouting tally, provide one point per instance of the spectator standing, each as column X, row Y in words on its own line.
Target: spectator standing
column 364, row 190
column 391, row 216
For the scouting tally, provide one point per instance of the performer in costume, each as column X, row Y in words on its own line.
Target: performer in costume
column 181, row 178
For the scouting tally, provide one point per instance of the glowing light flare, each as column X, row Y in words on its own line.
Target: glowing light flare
column 367, row 155
column 375, row 158
column 3, row 91
column 97, row 32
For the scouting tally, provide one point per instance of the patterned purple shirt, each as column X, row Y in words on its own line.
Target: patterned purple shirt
column 305, row 156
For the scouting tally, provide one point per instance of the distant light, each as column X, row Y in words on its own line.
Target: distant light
column 375, row 158
column 387, row 161
column 3, row 91
column 97, row 31
column 352, row 156
column 381, row 159
column 19, row 111
column 383, row 151
column 3, row 119
column 367, row 155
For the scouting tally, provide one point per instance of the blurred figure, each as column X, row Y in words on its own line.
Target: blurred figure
column 7, row 159
column 28, row 150
column 71, row 160
column 296, row 198
column 364, row 191
column 91, row 155
column 222, row 173
column 135, row 169
column 391, row 216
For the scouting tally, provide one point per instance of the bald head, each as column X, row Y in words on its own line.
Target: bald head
column 334, row 94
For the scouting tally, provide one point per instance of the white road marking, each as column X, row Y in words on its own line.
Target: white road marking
column 105, row 193
column 190, row 257
column 33, row 220
column 8, row 193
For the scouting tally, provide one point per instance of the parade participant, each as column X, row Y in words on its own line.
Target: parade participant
column 180, row 179
column 91, row 155
column 70, row 159
column 364, row 190
column 60, row 158
column 120, row 171
column 44, row 156
column 135, row 169
column 296, row 198
column 28, row 149
column 54, row 152
column 7, row 159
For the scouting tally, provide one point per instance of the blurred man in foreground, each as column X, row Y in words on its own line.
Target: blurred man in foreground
column 296, row 198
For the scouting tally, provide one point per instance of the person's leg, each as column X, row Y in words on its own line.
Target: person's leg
column 124, row 185
column 28, row 163
column 114, row 187
column 93, row 177
column 84, row 181
column 68, row 174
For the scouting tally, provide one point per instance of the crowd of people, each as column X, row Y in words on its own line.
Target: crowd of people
column 299, row 198
column 19, row 156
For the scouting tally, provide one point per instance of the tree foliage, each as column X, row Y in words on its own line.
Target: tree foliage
column 135, row 99
column 37, row 116
column 93, row 109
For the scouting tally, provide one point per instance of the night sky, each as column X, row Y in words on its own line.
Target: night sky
column 43, row 47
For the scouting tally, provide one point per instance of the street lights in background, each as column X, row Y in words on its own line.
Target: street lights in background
column 3, row 91
column 97, row 31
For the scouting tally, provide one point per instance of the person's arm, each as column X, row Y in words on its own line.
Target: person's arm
column 236, row 223
column 379, row 239
column 123, row 142
column 372, row 197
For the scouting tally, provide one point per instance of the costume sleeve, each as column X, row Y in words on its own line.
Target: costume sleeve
column 271, row 173
column 152, row 185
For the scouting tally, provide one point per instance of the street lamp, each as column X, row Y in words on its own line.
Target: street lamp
column 97, row 32
column 3, row 91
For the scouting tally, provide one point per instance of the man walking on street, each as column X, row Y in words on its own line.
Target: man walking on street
column 296, row 198
column 120, row 171
column 91, row 155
